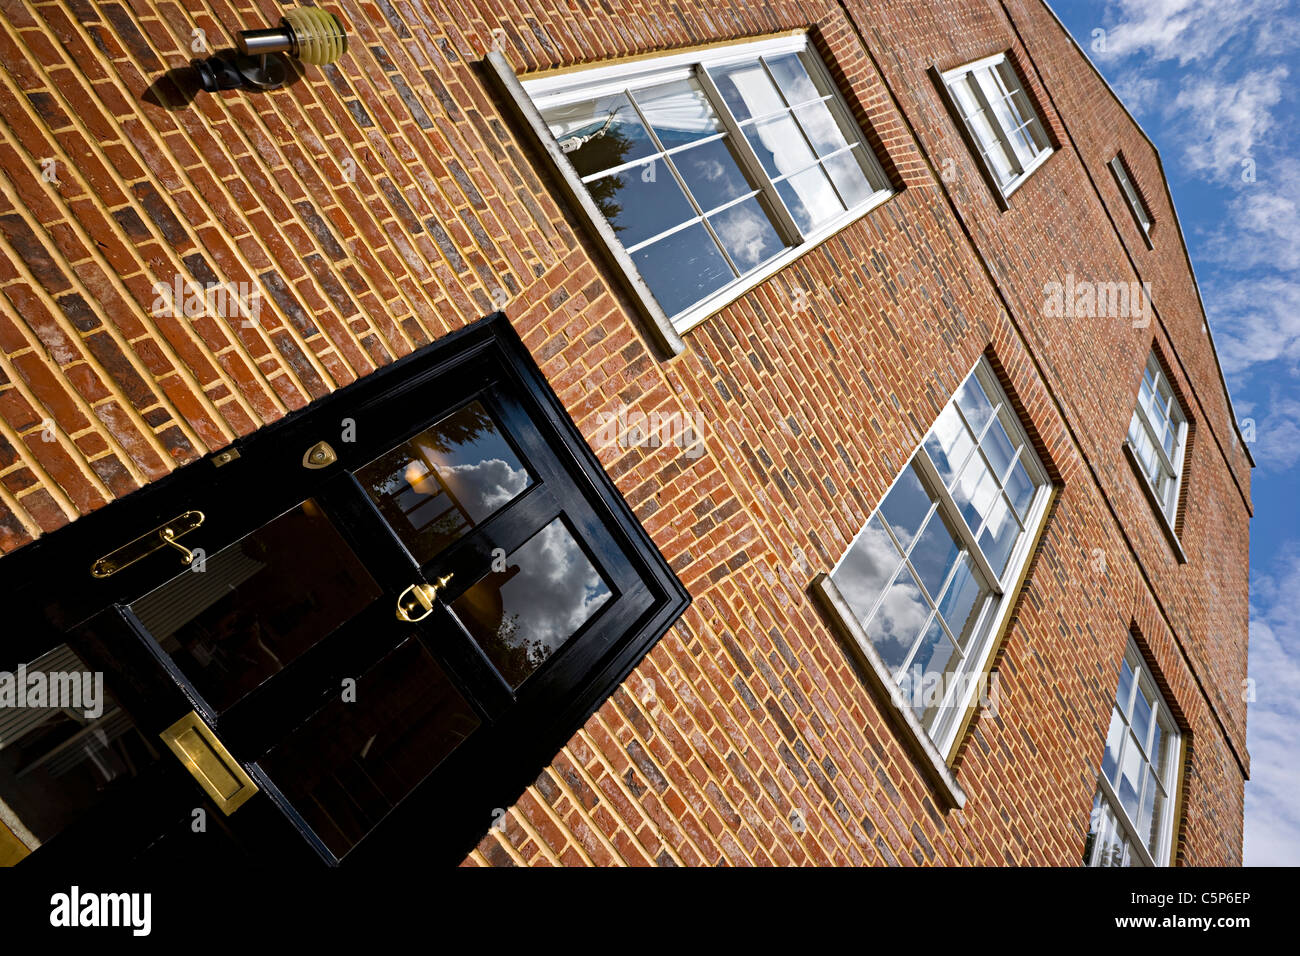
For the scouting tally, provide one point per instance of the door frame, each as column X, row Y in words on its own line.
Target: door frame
column 56, row 592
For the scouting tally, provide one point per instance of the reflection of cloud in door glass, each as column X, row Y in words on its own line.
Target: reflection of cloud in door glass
column 524, row 614
column 484, row 487
column 448, row 479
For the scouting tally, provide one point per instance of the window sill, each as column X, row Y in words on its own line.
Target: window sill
column 1024, row 176
column 1161, row 518
column 881, row 685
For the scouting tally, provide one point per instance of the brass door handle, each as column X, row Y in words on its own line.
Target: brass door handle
column 424, row 595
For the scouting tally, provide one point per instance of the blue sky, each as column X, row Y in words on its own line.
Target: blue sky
column 1213, row 82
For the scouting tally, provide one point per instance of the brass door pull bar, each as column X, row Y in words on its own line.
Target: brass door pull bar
column 161, row 537
column 424, row 595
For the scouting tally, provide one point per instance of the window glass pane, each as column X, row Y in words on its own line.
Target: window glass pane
column 641, row 202
column 926, row 677
column 906, row 506
column 1134, row 429
column 1159, row 755
column 1147, row 808
column 712, row 173
column 747, row 234
column 1124, row 694
column 974, row 404
column 1155, row 406
column 1114, row 741
column 963, row 600
column 747, row 90
column 1110, row 847
column 1033, row 127
column 1020, row 489
column 780, row 145
column 1168, row 438
column 1141, row 721
column 353, row 761
column 258, row 604
column 998, row 448
column 57, row 762
column 446, row 480
column 1022, row 142
column 522, row 615
column 1130, row 778
column 1002, row 112
column 823, row 131
column 975, row 491
column 683, row 268
column 849, row 178
column 1000, row 534
column 678, row 112
column 1145, row 452
column 948, row 444
column 599, row 134
column 898, row 620
column 792, row 78
column 934, row 554
column 1094, row 827
column 868, row 566
column 964, row 93
column 810, row 198
column 1004, row 168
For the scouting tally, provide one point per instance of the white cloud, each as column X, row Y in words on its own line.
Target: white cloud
column 1277, row 433
column 1256, row 320
column 1272, row 808
column 1223, row 120
column 1262, row 225
column 1137, row 92
column 1188, row 30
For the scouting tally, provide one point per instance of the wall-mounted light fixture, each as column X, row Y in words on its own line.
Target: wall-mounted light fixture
column 309, row 34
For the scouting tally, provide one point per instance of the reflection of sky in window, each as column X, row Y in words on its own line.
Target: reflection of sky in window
column 523, row 615
column 445, row 480
column 747, row 234
column 867, row 568
column 898, row 619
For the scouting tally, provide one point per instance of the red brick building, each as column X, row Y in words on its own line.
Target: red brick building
column 782, row 268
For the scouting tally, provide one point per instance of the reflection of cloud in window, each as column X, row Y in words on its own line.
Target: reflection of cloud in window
column 710, row 170
column 865, row 570
column 555, row 592
column 902, row 611
column 485, row 486
column 953, row 440
column 745, row 233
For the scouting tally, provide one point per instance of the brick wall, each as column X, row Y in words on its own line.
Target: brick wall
column 384, row 201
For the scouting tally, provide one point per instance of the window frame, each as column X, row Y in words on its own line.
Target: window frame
column 1133, row 197
column 939, row 743
column 1165, row 505
column 573, row 85
column 1162, row 715
column 993, row 66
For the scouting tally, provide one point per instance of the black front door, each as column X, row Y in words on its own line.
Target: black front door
column 402, row 599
